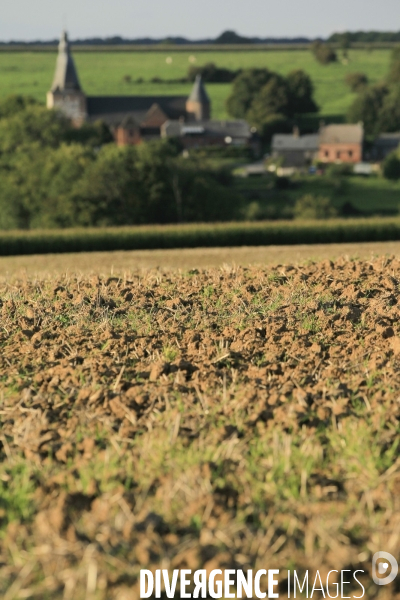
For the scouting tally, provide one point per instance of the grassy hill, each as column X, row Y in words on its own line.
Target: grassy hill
column 103, row 72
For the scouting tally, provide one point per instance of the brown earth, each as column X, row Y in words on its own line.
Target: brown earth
column 107, row 263
column 236, row 417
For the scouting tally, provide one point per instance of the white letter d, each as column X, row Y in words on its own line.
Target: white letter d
column 143, row 574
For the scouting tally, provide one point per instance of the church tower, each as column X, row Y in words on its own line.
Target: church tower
column 66, row 93
column 198, row 105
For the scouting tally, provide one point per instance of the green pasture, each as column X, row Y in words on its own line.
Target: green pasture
column 31, row 73
column 369, row 195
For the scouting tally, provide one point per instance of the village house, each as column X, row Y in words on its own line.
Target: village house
column 295, row 150
column 341, row 143
column 133, row 119
column 333, row 144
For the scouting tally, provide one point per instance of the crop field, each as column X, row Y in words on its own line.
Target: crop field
column 31, row 73
column 243, row 418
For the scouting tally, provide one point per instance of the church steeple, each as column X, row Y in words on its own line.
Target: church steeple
column 65, row 76
column 198, row 105
column 65, row 93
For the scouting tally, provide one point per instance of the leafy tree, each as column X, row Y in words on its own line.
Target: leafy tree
column 109, row 191
column 391, row 166
column 356, row 81
column 13, row 104
column 244, row 89
column 268, row 100
column 367, row 108
column 394, row 73
column 39, row 185
column 272, row 99
column 389, row 118
column 323, row 53
column 301, row 92
column 314, row 207
column 35, row 124
column 203, row 194
column 90, row 134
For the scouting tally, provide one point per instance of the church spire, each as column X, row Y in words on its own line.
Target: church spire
column 65, row 76
column 198, row 93
column 198, row 105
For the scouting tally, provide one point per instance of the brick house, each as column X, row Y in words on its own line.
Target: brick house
column 341, row 143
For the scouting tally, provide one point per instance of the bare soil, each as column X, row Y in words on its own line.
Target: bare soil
column 107, row 263
column 234, row 417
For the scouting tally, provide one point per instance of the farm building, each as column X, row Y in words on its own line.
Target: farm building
column 295, row 150
column 341, row 143
column 130, row 118
column 384, row 144
column 209, row 133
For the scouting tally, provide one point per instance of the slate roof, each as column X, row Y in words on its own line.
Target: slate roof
column 233, row 129
column 388, row 139
column 65, row 75
column 198, row 93
column 289, row 142
column 129, row 122
column 342, row 134
column 113, row 109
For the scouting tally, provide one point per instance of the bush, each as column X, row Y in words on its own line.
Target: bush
column 339, row 170
column 210, row 73
column 391, row 166
column 356, row 81
column 314, row 207
column 323, row 53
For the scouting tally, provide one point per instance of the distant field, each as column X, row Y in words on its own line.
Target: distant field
column 102, row 73
column 372, row 195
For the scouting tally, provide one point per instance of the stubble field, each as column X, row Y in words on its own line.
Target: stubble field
column 232, row 417
column 31, row 73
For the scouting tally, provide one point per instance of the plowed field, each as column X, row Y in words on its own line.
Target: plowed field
column 237, row 417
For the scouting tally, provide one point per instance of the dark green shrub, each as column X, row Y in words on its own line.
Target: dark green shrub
column 356, row 81
column 314, row 207
column 323, row 53
column 210, row 73
column 391, row 166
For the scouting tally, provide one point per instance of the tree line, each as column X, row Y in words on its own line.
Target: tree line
column 52, row 175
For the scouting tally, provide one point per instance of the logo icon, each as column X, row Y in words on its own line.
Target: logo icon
column 386, row 560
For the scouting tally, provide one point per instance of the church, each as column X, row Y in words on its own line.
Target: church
column 133, row 119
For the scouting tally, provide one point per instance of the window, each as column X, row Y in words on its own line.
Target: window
column 326, row 153
column 350, row 153
column 338, row 154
